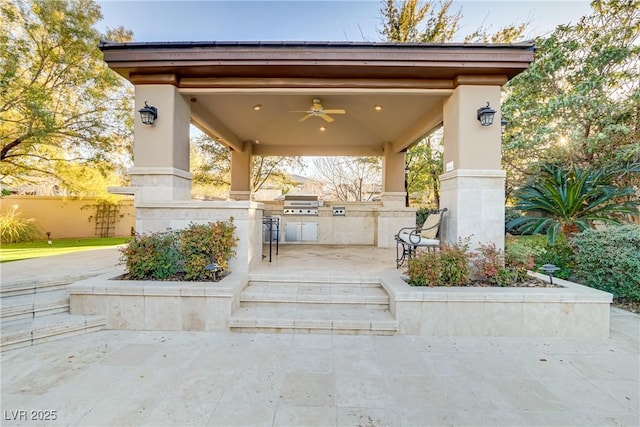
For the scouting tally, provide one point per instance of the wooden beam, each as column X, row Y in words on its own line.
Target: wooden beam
column 214, row 82
column 150, row 79
column 486, row 80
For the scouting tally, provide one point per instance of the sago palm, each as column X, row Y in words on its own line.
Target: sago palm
column 566, row 201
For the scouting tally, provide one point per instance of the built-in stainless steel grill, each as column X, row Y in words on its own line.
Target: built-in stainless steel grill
column 298, row 204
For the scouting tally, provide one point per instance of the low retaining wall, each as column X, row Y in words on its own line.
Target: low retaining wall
column 166, row 306
column 572, row 310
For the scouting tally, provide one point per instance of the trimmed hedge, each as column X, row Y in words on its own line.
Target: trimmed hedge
column 609, row 260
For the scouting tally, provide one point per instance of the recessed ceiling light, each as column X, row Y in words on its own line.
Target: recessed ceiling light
column 257, row 141
column 257, row 107
column 322, row 128
column 377, row 107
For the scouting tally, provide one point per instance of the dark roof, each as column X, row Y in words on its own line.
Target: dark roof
column 106, row 45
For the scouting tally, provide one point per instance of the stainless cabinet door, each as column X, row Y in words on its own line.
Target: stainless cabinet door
column 292, row 232
column 309, row 232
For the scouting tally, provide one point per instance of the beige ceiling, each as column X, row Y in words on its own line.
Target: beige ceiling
column 275, row 130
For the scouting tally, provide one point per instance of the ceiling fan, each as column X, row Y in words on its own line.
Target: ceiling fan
column 318, row 111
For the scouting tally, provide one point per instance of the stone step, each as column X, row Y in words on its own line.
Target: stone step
column 298, row 319
column 314, row 293
column 343, row 281
column 28, row 288
column 33, row 305
column 26, row 332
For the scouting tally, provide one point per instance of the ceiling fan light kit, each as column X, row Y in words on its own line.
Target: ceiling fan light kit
column 317, row 110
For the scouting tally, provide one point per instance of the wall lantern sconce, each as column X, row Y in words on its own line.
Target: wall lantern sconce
column 485, row 115
column 148, row 114
column 503, row 125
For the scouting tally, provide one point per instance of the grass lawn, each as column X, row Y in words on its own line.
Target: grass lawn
column 18, row 251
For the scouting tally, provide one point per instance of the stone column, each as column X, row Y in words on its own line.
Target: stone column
column 161, row 151
column 472, row 187
column 241, row 169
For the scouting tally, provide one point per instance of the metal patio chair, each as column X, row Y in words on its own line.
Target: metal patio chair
column 409, row 239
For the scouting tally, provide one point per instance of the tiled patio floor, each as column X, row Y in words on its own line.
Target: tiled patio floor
column 116, row 378
column 328, row 259
column 217, row 378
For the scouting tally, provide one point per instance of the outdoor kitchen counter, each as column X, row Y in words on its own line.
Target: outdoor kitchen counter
column 357, row 226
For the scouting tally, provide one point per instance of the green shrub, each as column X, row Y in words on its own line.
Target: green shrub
column 503, row 268
column 455, row 260
column 488, row 263
column 447, row 267
column 518, row 261
column 609, row 260
column 560, row 253
column 205, row 243
column 15, row 229
column 152, row 256
column 162, row 256
column 425, row 269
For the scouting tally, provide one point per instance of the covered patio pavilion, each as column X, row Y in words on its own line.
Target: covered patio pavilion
column 242, row 94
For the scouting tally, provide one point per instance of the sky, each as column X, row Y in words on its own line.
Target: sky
column 312, row 20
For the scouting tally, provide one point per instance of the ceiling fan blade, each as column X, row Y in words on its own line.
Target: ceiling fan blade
column 338, row 111
column 300, row 111
column 305, row 117
column 327, row 117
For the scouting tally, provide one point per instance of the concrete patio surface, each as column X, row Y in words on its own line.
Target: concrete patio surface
column 118, row 378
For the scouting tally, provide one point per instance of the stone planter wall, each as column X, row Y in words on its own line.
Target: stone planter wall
column 573, row 310
column 166, row 306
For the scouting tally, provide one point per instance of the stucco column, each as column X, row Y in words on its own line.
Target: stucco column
column 241, row 167
column 393, row 191
column 393, row 215
column 472, row 186
column 161, row 151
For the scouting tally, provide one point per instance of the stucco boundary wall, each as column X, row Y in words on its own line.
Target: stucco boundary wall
column 68, row 217
column 570, row 311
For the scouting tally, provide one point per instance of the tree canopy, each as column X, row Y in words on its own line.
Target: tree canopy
column 211, row 168
column 413, row 21
column 350, row 178
column 59, row 102
column 579, row 101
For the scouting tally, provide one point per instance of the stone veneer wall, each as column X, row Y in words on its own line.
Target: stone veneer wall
column 475, row 203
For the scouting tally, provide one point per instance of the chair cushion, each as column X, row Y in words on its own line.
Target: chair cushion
column 416, row 240
column 430, row 226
